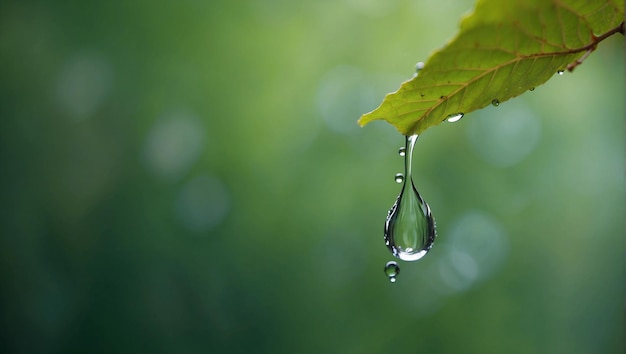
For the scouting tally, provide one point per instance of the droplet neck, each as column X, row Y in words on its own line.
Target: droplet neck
column 408, row 164
column 408, row 157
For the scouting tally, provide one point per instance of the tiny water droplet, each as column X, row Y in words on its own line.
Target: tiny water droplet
column 454, row 117
column 402, row 151
column 392, row 269
column 532, row 89
column 399, row 178
column 409, row 228
column 419, row 66
column 495, row 102
column 560, row 72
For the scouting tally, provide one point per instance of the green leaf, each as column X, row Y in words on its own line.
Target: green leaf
column 503, row 49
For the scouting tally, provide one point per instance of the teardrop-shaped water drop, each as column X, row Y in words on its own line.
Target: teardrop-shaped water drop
column 495, row 102
column 410, row 228
column 392, row 269
column 399, row 178
column 454, row 117
column 402, row 151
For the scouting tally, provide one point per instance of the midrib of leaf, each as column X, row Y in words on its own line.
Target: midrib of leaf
column 438, row 92
column 494, row 70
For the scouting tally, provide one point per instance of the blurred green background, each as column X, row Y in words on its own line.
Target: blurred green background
column 189, row 177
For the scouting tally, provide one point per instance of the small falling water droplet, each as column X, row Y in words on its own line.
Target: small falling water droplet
column 392, row 269
column 419, row 66
column 560, row 72
column 454, row 117
column 495, row 102
column 399, row 178
column 409, row 228
column 532, row 89
column 402, row 151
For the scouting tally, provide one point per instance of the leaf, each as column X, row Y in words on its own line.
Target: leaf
column 503, row 49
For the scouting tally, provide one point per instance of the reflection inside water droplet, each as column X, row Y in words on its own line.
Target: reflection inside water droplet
column 399, row 178
column 392, row 269
column 454, row 117
column 410, row 227
column 495, row 102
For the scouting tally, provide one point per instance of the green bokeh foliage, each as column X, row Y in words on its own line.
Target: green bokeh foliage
column 189, row 178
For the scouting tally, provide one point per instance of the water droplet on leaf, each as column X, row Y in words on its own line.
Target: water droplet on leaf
column 495, row 102
column 392, row 269
column 454, row 117
column 419, row 66
column 410, row 228
column 560, row 72
column 399, row 178
column 402, row 151
column 532, row 89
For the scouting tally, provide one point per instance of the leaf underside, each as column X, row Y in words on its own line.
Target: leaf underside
column 503, row 49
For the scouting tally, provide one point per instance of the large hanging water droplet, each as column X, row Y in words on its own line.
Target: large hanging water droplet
column 454, row 117
column 392, row 269
column 410, row 228
column 399, row 178
column 495, row 102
